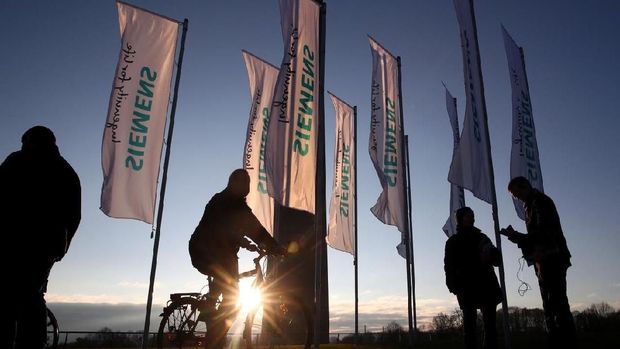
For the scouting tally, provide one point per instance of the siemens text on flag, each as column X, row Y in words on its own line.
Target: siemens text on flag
column 291, row 152
column 524, row 158
column 470, row 167
column 136, row 119
column 340, row 230
column 457, row 194
column 386, row 138
column 262, row 79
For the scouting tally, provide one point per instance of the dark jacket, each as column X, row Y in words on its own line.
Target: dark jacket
column 40, row 204
column 468, row 263
column 225, row 223
column 545, row 238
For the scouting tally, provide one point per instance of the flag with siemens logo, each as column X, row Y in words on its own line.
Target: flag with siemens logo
column 134, row 128
column 262, row 79
column 385, row 139
column 524, row 158
column 340, row 230
column 291, row 152
column 457, row 194
column 470, row 166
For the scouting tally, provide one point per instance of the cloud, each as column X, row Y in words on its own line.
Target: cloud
column 134, row 284
column 98, row 299
column 376, row 313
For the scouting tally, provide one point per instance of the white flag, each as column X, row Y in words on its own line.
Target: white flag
column 340, row 230
column 262, row 78
column 457, row 194
column 291, row 152
column 524, row 158
column 470, row 167
column 134, row 129
column 386, row 138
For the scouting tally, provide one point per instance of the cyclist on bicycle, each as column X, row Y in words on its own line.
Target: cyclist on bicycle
column 213, row 247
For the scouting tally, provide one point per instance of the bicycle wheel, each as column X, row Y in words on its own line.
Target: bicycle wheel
column 53, row 333
column 287, row 322
column 180, row 326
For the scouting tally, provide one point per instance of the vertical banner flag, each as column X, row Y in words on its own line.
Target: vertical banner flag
column 386, row 139
column 457, row 194
column 524, row 158
column 340, row 230
column 262, row 78
column 134, row 129
column 470, row 165
column 291, row 150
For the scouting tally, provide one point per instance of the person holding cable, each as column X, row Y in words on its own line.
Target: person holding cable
column 544, row 246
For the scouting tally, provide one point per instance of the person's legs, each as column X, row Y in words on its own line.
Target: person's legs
column 490, row 329
column 31, row 330
column 562, row 333
column 469, row 326
column 9, row 322
column 226, row 285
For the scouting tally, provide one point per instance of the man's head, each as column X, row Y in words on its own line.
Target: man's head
column 239, row 183
column 38, row 138
column 465, row 217
column 520, row 188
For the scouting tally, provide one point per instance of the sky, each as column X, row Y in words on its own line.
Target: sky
column 57, row 64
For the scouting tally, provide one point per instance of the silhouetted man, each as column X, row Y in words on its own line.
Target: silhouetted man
column 468, row 263
column 40, row 205
column 545, row 247
column 214, row 245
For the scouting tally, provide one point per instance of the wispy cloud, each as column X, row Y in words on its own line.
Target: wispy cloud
column 133, row 284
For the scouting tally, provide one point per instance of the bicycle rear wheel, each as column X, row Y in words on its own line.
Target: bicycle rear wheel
column 53, row 333
column 180, row 326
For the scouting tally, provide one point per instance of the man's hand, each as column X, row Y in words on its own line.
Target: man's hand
column 511, row 234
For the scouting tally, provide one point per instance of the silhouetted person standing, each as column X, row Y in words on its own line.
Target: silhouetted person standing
column 214, row 245
column 40, row 210
column 468, row 263
column 545, row 247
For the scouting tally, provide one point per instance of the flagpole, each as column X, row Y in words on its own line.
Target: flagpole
column 355, row 261
column 415, row 321
column 406, row 209
column 319, row 217
column 498, row 240
column 162, row 194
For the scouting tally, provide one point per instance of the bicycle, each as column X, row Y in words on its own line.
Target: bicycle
column 53, row 331
column 286, row 318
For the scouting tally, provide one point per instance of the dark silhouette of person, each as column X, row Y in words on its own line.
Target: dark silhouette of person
column 544, row 246
column 468, row 262
column 226, row 222
column 40, row 211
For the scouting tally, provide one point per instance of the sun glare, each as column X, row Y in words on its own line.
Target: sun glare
column 249, row 297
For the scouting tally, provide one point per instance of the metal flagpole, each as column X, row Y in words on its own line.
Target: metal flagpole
column 498, row 240
column 162, row 194
column 319, row 217
column 415, row 320
column 406, row 209
column 355, row 261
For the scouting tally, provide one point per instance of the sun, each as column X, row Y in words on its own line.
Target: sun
column 249, row 297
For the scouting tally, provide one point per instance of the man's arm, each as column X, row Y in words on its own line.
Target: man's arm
column 255, row 231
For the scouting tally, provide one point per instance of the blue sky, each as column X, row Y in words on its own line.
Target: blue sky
column 57, row 65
